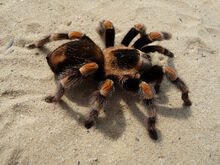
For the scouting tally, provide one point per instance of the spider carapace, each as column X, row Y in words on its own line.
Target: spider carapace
column 130, row 67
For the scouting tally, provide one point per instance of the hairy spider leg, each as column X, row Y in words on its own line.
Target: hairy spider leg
column 151, row 37
column 172, row 76
column 70, row 78
column 157, row 48
column 107, row 32
column 55, row 37
column 133, row 32
column 98, row 100
column 147, row 94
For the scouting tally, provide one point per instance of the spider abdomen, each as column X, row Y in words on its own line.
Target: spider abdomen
column 74, row 53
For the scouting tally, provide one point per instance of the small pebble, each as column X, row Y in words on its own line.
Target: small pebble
column 179, row 138
column 37, row 53
column 11, row 42
column 69, row 23
column 78, row 116
column 137, row 139
column 161, row 156
column 94, row 159
column 161, row 58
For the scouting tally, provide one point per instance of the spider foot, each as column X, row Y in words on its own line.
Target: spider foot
column 187, row 103
column 168, row 53
column 50, row 99
column 89, row 123
column 166, row 35
column 153, row 134
column 186, row 99
column 30, row 46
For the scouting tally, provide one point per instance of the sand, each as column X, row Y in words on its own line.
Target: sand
column 35, row 132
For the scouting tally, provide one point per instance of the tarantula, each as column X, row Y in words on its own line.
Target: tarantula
column 130, row 67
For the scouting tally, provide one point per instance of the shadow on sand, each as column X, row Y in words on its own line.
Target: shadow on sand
column 113, row 123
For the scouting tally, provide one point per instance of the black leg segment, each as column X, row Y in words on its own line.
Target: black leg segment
column 106, row 31
column 157, row 48
column 133, row 32
column 151, row 37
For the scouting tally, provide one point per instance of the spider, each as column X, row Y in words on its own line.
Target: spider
column 130, row 67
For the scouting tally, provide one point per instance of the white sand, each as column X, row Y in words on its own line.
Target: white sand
column 37, row 133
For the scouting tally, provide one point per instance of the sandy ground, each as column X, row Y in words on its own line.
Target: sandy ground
column 35, row 132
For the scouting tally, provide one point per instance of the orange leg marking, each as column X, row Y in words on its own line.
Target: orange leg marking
column 170, row 73
column 108, row 24
column 147, row 90
column 107, row 87
column 138, row 26
column 88, row 69
column 73, row 35
column 155, row 36
column 141, row 28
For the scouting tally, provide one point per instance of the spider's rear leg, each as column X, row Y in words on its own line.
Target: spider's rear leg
column 98, row 100
column 157, row 48
column 106, row 31
column 70, row 78
column 147, row 94
column 151, row 37
column 172, row 76
column 133, row 32
column 55, row 37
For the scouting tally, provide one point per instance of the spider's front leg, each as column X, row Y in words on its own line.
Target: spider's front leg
column 98, row 100
column 151, row 37
column 70, row 78
column 55, row 37
column 106, row 31
column 133, row 32
column 147, row 94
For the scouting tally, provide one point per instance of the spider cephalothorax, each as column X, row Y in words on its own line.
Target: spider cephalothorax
column 129, row 67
